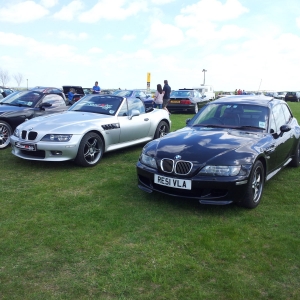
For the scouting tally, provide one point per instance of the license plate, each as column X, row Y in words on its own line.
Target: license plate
column 175, row 101
column 25, row 146
column 173, row 182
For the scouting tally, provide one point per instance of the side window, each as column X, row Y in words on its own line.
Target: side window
column 136, row 104
column 286, row 112
column 273, row 128
column 123, row 110
column 279, row 117
column 142, row 94
column 55, row 100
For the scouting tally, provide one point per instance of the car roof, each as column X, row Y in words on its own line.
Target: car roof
column 250, row 99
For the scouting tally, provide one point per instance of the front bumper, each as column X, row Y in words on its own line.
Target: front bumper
column 47, row 151
column 206, row 189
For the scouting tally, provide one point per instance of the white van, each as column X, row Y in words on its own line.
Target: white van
column 207, row 91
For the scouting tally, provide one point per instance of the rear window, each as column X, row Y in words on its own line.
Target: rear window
column 181, row 94
column 291, row 93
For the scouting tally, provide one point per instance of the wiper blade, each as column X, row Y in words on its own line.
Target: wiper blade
column 208, row 125
column 250, row 126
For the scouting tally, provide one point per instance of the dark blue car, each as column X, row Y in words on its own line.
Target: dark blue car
column 225, row 154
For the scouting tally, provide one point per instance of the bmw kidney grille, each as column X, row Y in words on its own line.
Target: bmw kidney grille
column 179, row 167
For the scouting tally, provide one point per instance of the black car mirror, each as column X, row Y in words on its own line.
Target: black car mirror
column 187, row 121
column 285, row 128
column 46, row 104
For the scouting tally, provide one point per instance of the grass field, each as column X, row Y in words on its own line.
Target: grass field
column 90, row 233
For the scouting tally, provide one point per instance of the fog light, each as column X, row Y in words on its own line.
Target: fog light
column 56, row 153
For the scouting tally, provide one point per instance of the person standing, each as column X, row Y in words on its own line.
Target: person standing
column 71, row 96
column 158, row 99
column 96, row 88
column 166, row 97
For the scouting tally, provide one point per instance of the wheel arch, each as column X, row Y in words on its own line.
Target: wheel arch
column 13, row 127
column 99, row 133
column 264, row 163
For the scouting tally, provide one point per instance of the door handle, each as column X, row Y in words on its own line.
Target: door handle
column 146, row 119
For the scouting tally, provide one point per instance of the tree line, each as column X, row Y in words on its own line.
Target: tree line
column 5, row 77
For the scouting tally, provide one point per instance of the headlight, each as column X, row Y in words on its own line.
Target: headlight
column 56, row 138
column 16, row 132
column 148, row 161
column 220, row 170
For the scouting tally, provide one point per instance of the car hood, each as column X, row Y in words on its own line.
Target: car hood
column 68, row 122
column 202, row 146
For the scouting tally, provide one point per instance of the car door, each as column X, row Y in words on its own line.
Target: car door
column 283, row 141
column 133, row 128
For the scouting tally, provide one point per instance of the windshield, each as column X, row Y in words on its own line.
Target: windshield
column 107, row 105
column 232, row 115
column 123, row 93
column 25, row 98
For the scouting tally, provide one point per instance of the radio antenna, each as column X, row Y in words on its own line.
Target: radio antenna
column 259, row 85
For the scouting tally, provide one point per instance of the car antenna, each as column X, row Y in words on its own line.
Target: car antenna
column 259, row 86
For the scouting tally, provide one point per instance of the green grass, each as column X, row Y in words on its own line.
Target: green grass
column 90, row 233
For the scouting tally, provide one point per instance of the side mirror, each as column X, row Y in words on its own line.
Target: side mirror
column 285, row 128
column 134, row 113
column 46, row 104
column 187, row 121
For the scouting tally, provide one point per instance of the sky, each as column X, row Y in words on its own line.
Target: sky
column 242, row 44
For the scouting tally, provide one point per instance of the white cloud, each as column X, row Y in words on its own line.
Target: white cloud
column 112, row 10
column 37, row 49
column 68, row 12
column 22, row 12
column 95, row 50
column 210, row 10
column 49, row 3
column 298, row 22
column 161, row 2
column 128, row 37
column 109, row 36
column 72, row 36
column 164, row 35
column 203, row 19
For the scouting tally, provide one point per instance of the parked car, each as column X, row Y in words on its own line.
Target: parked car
column 79, row 93
column 92, row 126
column 106, row 92
column 4, row 92
column 281, row 95
column 186, row 100
column 49, row 90
column 21, row 106
column 292, row 96
column 224, row 94
column 87, row 91
column 271, row 94
column 225, row 153
column 207, row 91
column 148, row 100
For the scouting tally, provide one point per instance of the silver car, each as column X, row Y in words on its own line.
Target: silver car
column 92, row 126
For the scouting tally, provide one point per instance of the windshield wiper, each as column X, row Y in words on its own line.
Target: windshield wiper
column 250, row 126
column 208, row 125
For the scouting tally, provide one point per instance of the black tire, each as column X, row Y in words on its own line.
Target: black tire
column 5, row 133
column 255, row 186
column 295, row 162
column 90, row 150
column 161, row 130
column 196, row 108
